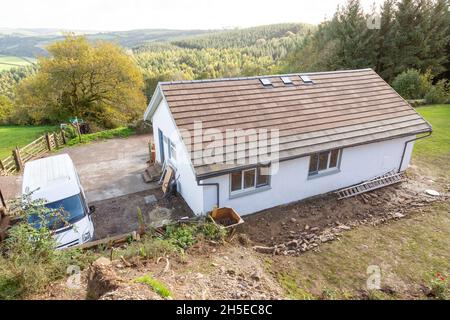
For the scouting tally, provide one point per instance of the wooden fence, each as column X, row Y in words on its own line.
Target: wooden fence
column 40, row 146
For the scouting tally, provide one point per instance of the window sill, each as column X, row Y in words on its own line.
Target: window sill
column 249, row 192
column 323, row 174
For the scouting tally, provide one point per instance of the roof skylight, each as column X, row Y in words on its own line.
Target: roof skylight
column 286, row 80
column 265, row 81
column 306, row 79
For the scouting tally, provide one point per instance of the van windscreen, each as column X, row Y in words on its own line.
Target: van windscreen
column 63, row 212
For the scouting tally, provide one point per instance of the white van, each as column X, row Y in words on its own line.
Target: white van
column 55, row 180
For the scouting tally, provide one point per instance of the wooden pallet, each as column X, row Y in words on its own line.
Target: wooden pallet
column 376, row 183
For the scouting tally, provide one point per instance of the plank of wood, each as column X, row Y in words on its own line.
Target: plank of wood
column 167, row 177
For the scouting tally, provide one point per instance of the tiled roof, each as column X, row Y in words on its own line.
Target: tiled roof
column 339, row 109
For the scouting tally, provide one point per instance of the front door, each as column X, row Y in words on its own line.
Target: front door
column 161, row 145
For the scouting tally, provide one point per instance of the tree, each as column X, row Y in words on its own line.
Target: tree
column 385, row 41
column 411, row 84
column 6, row 109
column 97, row 82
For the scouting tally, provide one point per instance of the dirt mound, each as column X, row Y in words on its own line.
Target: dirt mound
column 104, row 284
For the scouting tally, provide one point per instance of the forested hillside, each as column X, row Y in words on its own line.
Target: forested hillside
column 409, row 47
column 240, row 52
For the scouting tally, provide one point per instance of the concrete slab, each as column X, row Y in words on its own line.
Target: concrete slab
column 150, row 199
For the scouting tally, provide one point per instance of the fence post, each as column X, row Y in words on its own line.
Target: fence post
column 63, row 137
column 3, row 201
column 55, row 138
column 47, row 139
column 17, row 159
column 2, row 167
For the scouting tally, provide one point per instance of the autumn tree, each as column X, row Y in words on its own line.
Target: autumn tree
column 97, row 82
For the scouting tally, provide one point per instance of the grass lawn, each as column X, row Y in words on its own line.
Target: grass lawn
column 434, row 153
column 12, row 136
column 409, row 252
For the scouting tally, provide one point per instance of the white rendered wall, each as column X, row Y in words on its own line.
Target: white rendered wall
column 186, row 184
column 291, row 183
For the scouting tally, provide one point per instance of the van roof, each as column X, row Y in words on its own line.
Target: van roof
column 52, row 178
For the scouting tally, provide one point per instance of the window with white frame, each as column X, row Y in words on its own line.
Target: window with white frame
column 326, row 161
column 172, row 151
column 249, row 179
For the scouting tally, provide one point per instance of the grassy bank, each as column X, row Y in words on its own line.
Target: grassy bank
column 121, row 132
column 409, row 252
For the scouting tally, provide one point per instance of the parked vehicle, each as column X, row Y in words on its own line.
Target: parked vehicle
column 55, row 180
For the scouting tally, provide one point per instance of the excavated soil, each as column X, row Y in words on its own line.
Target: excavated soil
column 326, row 215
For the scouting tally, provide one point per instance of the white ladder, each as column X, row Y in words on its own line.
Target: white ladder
column 387, row 179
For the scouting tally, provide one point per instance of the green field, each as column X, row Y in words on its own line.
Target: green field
column 8, row 62
column 12, row 136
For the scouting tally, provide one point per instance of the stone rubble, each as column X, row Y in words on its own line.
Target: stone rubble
column 312, row 237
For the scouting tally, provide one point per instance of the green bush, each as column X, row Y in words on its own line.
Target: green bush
column 211, row 231
column 28, row 258
column 182, row 236
column 439, row 93
column 411, row 84
column 70, row 132
column 439, row 287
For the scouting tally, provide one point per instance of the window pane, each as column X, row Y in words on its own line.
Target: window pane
column 173, row 153
column 249, row 178
column 323, row 160
column 262, row 178
column 313, row 163
column 236, row 181
column 334, row 158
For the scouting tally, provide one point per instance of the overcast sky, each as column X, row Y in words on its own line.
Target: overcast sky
column 114, row 15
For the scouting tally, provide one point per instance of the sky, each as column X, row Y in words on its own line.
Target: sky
column 115, row 15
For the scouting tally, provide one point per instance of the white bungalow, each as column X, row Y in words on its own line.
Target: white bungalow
column 327, row 130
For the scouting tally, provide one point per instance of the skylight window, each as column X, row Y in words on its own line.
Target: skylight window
column 265, row 82
column 286, row 80
column 306, row 79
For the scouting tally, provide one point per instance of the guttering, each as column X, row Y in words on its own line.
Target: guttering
column 154, row 102
column 211, row 184
column 406, row 144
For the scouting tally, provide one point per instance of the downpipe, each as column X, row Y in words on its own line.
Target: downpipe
column 211, row 184
column 406, row 145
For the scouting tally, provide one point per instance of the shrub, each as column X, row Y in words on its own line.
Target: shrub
column 28, row 260
column 439, row 93
column 411, row 84
column 439, row 287
column 182, row 236
column 212, row 232
column 70, row 132
column 6, row 110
